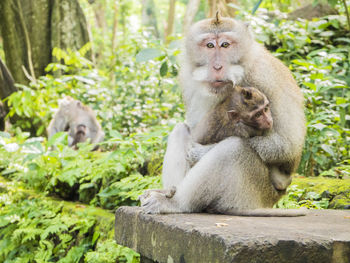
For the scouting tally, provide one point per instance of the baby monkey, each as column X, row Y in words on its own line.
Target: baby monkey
column 246, row 113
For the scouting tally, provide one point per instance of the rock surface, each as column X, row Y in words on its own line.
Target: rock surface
column 321, row 236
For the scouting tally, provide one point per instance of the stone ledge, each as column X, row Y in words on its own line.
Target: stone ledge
column 321, row 236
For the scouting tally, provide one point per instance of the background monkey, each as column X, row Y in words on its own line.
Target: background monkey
column 232, row 177
column 78, row 120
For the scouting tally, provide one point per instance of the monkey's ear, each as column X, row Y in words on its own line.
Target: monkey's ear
column 247, row 94
column 232, row 114
column 79, row 104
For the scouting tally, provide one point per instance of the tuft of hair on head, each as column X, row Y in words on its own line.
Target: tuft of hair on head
column 217, row 19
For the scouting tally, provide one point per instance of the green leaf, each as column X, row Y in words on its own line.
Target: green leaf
column 148, row 54
column 327, row 149
column 163, row 69
column 58, row 138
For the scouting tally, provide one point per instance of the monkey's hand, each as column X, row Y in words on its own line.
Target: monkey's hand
column 196, row 151
column 156, row 202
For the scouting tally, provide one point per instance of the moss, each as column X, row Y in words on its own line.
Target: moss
column 320, row 184
column 337, row 191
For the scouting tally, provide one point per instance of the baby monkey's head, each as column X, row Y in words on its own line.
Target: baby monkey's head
column 251, row 107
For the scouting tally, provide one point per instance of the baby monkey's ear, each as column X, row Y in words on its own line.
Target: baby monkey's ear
column 247, row 94
column 232, row 115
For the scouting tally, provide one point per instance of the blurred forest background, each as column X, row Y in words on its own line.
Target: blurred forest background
column 121, row 59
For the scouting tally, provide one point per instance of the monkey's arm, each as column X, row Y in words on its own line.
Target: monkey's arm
column 274, row 149
column 98, row 137
column 57, row 124
column 283, row 145
column 201, row 132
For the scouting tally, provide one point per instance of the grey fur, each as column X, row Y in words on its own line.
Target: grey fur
column 233, row 176
column 70, row 115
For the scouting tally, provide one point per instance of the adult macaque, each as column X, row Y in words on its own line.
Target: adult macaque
column 78, row 120
column 232, row 177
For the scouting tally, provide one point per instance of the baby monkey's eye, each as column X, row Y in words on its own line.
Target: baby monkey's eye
column 225, row 44
column 210, row 45
column 266, row 108
column 258, row 114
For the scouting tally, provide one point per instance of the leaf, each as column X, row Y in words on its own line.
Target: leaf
column 53, row 229
column 58, row 138
column 148, row 54
column 163, row 69
column 327, row 149
column 318, row 126
column 312, row 196
column 5, row 135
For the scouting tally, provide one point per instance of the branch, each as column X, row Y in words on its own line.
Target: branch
column 27, row 40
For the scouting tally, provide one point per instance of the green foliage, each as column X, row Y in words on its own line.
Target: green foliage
column 143, row 93
column 110, row 252
column 135, row 95
column 317, row 53
column 317, row 193
column 35, row 229
column 300, row 197
column 84, row 175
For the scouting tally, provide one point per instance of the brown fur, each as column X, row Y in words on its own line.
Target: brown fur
column 217, row 125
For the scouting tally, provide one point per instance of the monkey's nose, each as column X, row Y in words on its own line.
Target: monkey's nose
column 217, row 67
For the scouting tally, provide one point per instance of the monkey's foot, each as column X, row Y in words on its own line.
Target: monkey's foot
column 157, row 202
column 168, row 193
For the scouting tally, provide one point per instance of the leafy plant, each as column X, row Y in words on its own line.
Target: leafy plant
column 35, row 229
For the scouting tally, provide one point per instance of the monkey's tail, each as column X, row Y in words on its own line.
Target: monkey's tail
column 269, row 212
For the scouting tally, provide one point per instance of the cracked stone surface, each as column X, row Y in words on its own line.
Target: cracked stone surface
column 321, row 236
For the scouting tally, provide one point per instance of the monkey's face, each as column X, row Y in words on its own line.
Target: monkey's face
column 215, row 50
column 262, row 118
column 254, row 109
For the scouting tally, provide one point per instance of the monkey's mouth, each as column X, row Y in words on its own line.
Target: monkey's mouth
column 220, row 83
column 220, row 86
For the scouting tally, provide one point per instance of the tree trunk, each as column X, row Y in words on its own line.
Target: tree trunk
column 171, row 18
column 26, row 36
column 191, row 10
column 149, row 16
column 7, row 87
column 222, row 7
column 68, row 25
column 7, row 84
column 115, row 26
column 2, row 116
column 31, row 28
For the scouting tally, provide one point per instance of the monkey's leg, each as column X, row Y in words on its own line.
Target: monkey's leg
column 175, row 164
column 217, row 181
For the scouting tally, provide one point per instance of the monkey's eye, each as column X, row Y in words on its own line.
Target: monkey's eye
column 225, row 45
column 210, row 45
column 266, row 108
column 258, row 114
